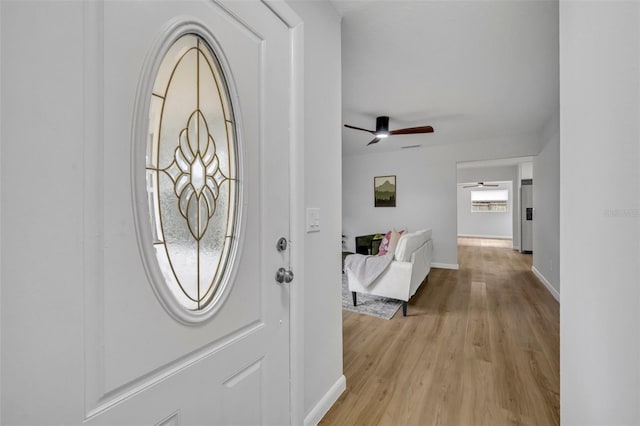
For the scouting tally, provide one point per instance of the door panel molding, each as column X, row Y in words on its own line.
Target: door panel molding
column 243, row 386
column 110, row 399
column 171, row 420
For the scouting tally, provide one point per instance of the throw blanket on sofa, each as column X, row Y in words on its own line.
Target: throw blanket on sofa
column 367, row 268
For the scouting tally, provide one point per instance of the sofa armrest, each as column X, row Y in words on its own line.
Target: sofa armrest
column 394, row 282
column 421, row 259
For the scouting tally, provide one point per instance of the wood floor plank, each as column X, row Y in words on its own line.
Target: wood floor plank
column 480, row 346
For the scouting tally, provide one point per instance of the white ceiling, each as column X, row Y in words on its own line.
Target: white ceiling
column 474, row 70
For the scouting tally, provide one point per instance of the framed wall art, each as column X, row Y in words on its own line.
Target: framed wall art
column 384, row 191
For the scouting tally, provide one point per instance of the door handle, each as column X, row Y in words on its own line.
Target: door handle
column 284, row 276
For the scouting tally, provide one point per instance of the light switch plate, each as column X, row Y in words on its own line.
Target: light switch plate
column 313, row 220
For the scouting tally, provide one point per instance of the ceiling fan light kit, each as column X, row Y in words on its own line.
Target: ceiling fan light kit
column 382, row 129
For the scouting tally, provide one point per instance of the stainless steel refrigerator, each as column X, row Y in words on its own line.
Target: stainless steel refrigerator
column 526, row 216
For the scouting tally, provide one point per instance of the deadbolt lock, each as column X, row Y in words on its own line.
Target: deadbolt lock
column 281, row 245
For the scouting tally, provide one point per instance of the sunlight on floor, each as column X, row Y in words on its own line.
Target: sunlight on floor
column 485, row 242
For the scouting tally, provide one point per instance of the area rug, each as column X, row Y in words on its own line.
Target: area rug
column 376, row 306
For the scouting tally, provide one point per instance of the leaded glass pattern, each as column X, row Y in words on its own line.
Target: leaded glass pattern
column 191, row 165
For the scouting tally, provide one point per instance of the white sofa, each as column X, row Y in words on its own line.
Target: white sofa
column 403, row 276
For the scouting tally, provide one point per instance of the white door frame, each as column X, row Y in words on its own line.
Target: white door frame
column 296, row 206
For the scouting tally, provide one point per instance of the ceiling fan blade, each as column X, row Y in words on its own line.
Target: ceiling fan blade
column 360, row 128
column 412, row 130
column 375, row 140
column 481, row 185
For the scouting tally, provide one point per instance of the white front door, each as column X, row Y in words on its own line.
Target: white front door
column 143, row 365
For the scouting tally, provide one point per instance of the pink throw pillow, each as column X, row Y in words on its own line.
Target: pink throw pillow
column 384, row 244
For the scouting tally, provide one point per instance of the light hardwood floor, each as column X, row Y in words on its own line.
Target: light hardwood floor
column 480, row 347
column 485, row 242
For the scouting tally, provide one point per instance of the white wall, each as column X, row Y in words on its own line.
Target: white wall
column 600, row 213
column 486, row 174
column 28, row 291
column 484, row 224
column 426, row 189
column 546, row 201
column 323, row 153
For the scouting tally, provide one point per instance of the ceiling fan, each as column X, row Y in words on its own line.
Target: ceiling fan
column 481, row 185
column 382, row 130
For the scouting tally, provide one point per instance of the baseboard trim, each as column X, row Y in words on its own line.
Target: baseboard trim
column 546, row 283
column 326, row 402
column 492, row 237
column 454, row 266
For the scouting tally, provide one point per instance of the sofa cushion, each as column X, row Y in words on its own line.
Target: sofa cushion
column 408, row 243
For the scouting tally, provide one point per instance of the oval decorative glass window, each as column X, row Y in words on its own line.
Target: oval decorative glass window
column 191, row 165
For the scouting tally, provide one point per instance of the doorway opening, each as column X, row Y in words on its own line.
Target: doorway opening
column 489, row 201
